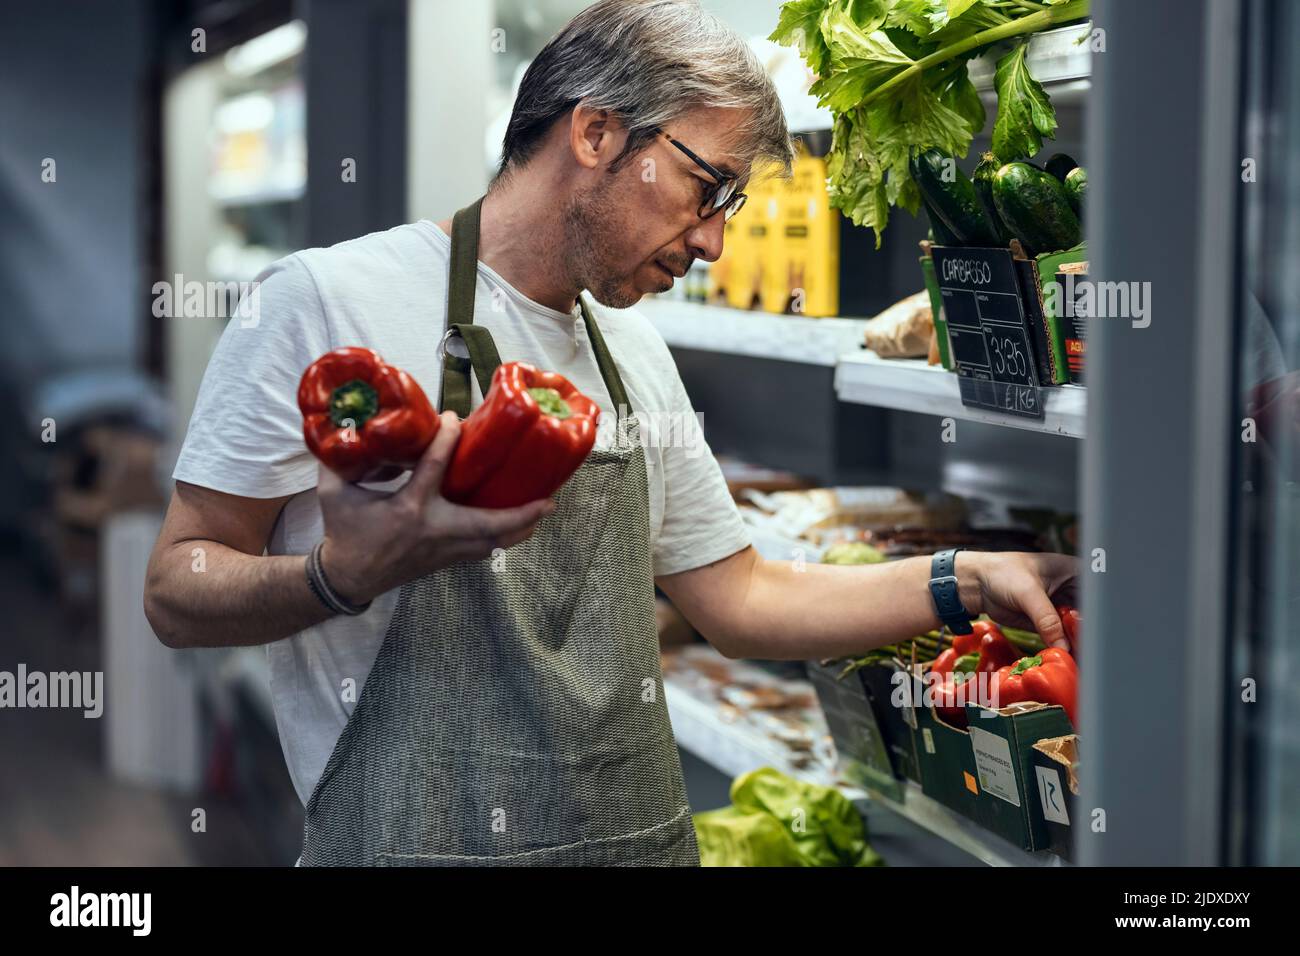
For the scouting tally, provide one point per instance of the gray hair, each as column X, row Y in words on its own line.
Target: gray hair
column 647, row 62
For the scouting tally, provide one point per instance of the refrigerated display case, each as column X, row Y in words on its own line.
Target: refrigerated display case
column 1180, row 453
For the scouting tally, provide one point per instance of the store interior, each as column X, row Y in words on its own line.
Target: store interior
column 204, row 139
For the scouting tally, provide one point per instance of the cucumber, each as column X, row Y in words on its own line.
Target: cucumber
column 983, row 180
column 956, row 202
column 1076, row 189
column 1032, row 203
column 1059, row 165
column 939, row 231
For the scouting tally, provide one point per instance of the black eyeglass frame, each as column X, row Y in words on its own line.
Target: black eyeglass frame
column 708, row 205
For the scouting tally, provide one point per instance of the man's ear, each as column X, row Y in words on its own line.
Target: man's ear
column 595, row 137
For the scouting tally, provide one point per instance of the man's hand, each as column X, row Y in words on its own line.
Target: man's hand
column 1019, row 589
column 375, row 542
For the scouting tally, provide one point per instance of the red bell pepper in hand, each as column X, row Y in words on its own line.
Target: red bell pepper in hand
column 366, row 420
column 1049, row 677
column 530, row 434
column 1071, row 623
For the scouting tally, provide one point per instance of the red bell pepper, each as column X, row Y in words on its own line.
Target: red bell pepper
column 950, row 671
column 531, row 433
column 1071, row 623
column 952, row 691
column 1049, row 677
column 945, row 702
column 366, row 420
column 987, row 640
column 945, row 662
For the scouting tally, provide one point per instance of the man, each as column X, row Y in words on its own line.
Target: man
column 504, row 664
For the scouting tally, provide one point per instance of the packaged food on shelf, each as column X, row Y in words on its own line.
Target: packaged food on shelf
column 778, row 716
column 806, row 264
column 820, row 516
column 742, row 476
column 903, row 330
column 734, row 278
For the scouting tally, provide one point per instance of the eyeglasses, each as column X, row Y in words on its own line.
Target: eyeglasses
column 721, row 196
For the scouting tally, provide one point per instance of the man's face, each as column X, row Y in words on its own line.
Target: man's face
column 638, row 229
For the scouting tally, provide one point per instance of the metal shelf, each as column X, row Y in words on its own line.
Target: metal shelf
column 787, row 338
column 1055, row 57
column 910, row 385
column 966, row 835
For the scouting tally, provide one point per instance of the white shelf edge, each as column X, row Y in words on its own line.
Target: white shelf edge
column 1054, row 57
column 910, row 385
column 966, row 835
column 786, row 338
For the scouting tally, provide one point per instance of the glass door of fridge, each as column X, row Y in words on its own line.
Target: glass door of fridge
column 1263, row 774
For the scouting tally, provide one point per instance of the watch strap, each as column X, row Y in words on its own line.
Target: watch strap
column 945, row 593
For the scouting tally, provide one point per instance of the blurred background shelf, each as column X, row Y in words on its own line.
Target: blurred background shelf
column 911, row 385
column 259, row 196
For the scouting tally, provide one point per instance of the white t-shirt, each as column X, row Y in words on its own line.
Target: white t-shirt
column 388, row 291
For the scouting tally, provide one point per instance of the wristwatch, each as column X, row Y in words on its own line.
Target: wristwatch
column 943, row 588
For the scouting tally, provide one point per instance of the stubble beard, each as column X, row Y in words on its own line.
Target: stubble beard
column 592, row 237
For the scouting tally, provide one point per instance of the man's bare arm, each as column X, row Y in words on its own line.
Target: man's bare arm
column 209, row 583
column 776, row 610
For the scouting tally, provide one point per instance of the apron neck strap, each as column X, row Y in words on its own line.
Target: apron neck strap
column 483, row 357
column 605, row 362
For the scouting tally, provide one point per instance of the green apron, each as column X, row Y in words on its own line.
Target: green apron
column 515, row 714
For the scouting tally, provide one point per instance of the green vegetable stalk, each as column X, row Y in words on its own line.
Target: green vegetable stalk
column 894, row 75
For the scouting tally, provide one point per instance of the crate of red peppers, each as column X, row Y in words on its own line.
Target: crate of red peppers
column 981, row 706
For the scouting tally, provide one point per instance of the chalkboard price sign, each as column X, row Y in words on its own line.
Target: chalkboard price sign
column 986, row 327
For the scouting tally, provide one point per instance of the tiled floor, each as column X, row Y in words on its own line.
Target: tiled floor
column 57, row 804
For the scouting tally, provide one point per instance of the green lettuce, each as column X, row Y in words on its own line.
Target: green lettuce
column 893, row 74
column 775, row 820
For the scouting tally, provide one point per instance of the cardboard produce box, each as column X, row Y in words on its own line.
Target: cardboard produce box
column 1056, row 773
column 947, row 763
column 1002, row 746
column 897, row 724
column 859, row 742
column 986, row 771
column 1058, row 341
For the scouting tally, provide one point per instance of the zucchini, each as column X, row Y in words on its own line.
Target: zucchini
column 1076, row 189
column 955, row 201
column 1059, row 165
column 983, row 180
column 1033, row 205
column 940, row 234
